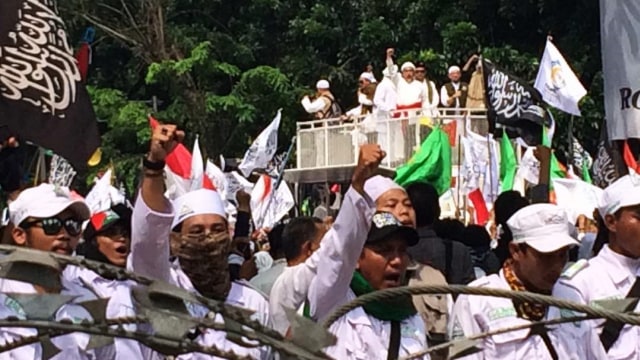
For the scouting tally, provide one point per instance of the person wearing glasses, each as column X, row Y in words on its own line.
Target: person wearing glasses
column 49, row 218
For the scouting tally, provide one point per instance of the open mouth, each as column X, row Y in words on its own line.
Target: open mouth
column 122, row 249
column 62, row 249
column 392, row 279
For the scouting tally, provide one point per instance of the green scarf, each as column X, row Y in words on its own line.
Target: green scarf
column 391, row 310
column 394, row 310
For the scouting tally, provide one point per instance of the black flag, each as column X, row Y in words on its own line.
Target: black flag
column 513, row 104
column 42, row 98
column 608, row 165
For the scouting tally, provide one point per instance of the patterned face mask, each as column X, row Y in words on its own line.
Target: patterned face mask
column 203, row 258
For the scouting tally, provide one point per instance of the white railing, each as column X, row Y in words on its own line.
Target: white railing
column 334, row 142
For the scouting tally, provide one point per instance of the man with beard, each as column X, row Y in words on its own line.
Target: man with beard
column 194, row 232
column 539, row 252
column 49, row 218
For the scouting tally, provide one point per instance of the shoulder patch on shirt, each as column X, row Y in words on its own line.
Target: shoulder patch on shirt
column 572, row 270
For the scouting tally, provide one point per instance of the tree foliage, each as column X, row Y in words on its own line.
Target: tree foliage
column 221, row 68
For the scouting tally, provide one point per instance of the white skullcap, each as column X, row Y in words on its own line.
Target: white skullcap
column 368, row 76
column 453, row 69
column 407, row 65
column 46, row 200
column 378, row 185
column 322, row 84
column 264, row 261
column 199, row 202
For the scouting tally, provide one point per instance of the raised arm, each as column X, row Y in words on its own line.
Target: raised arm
column 343, row 244
column 153, row 213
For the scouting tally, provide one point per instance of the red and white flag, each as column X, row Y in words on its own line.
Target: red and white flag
column 178, row 169
column 269, row 205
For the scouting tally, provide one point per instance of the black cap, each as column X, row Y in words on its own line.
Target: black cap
column 384, row 225
column 100, row 222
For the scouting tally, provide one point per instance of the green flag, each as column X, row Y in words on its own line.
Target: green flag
column 432, row 163
column 508, row 163
column 586, row 176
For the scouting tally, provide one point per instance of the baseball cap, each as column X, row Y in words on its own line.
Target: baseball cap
column 621, row 193
column 103, row 220
column 384, row 225
column 322, row 84
column 46, row 200
column 198, row 202
column 377, row 185
column 544, row 227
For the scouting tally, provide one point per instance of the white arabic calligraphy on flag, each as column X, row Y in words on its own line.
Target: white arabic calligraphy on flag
column 37, row 65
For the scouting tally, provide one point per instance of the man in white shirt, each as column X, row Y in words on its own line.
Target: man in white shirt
column 539, row 252
column 323, row 107
column 49, row 218
column 194, row 230
column 454, row 93
column 359, row 257
column 432, row 99
column 301, row 239
column 613, row 273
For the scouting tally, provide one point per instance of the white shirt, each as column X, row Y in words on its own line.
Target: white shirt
column 264, row 281
column 444, row 96
column 609, row 275
column 314, row 106
column 72, row 345
column 385, row 99
column 359, row 335
column 473, row 315
column 410, row 93
column 430, row 107
column 150, row 257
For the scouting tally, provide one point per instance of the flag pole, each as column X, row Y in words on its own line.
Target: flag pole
column 571, row 155
column 278, row 181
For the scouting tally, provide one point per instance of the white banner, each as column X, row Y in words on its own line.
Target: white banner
column 263, row 148
column 620, row 29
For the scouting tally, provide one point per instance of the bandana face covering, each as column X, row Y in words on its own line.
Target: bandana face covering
column 204, row 259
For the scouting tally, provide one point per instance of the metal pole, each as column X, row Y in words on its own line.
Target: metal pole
column 571, row 158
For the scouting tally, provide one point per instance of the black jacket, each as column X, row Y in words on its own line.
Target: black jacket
column 432, row 250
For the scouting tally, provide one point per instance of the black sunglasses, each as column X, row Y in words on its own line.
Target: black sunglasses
column 53, row 225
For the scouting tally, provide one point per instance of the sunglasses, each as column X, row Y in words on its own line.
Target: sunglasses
column 53, row 225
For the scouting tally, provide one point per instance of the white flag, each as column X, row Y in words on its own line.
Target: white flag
column 268, row 205
column 217, row 177
column 263, row 148
column 197, row 167
column 99, row 198
column 480, row 165
column 557, row 83
column 235, row 182
column 577, row 197
column 619, row 29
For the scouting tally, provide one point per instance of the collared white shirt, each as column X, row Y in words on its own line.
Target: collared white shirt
column 430, row 108
column 609, row 275
column 359, row 335
column 150, row 257
column 72, row 345
column 385, row 99
column 474, row 315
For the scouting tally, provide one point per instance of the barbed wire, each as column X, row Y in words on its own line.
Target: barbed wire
column 524, row 296
column 237, row 321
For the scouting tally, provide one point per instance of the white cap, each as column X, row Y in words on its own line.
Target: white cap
column 378, row 185
column 544, row 227
column 322, row 84
column 622, row 193
column 368, row 76
column 198, row 202
column 453, row 68
column 46, row 200
column 407, row 65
